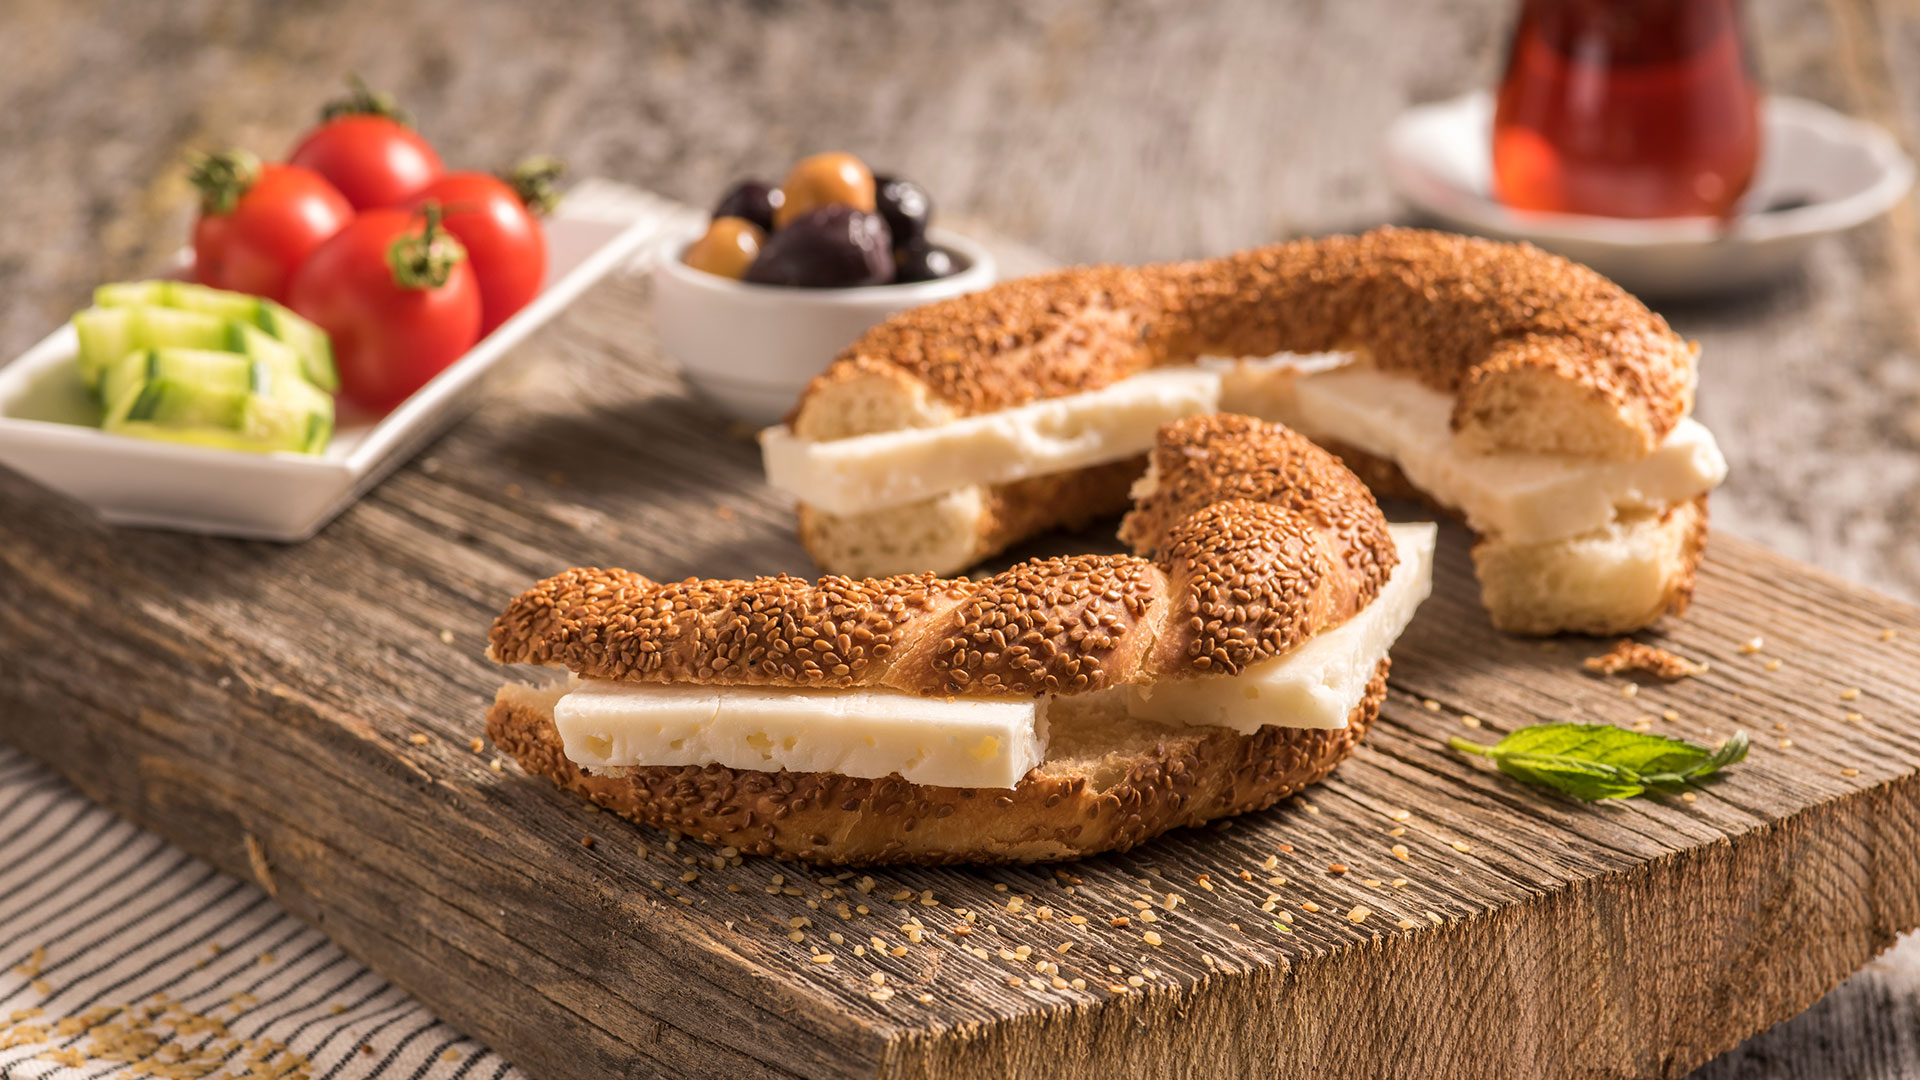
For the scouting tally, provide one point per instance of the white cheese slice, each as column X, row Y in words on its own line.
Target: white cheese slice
column 1522, row 498
column 871, row 472
column 1318, row 683
column 947, row 742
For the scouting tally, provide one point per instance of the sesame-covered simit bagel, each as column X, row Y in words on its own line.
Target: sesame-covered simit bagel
column 1238, row 586
column 1009, row 411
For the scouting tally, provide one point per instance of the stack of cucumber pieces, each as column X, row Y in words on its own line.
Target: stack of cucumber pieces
column 185, row 363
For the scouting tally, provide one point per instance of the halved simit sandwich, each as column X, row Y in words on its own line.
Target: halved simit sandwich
column 1064, row 707
column 1527, row 394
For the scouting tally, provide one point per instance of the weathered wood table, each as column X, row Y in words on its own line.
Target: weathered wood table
column 1093, row 131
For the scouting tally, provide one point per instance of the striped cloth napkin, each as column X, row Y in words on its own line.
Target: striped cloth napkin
column 125, row 956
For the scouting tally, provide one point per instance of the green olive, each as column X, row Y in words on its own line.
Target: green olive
column 728, row 248
column 825, row 180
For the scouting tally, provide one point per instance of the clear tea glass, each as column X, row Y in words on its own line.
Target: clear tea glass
column 1627, row 109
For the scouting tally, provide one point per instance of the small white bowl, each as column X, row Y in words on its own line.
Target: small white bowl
column 752, row 348
column 1820, row 172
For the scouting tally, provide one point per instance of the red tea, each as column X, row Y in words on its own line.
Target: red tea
column 1627, row 108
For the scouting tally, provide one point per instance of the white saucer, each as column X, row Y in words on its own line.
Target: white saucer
column 1825, row 172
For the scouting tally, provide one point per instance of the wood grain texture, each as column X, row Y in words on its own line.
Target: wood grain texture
column 217, row 691
column 1097, row 130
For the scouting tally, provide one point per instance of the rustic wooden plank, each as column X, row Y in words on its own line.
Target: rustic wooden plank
column 1120, row 131
column 215, row 690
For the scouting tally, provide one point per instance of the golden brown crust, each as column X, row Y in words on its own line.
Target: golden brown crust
column 1498, row 325
column 1187, row 777
column 1244, row 573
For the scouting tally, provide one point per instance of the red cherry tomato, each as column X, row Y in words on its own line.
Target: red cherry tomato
column 502, row 237
column 399, row 299
column 258, row 223
column 375, row 161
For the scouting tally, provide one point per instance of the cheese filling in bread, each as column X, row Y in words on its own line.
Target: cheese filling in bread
column 977, row 742
column 1520, row 498
column 1523, row 498
column 889, row 468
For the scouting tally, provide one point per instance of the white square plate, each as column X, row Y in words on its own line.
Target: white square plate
column 48, row 432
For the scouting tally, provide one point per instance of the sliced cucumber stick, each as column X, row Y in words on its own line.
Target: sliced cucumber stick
column 303, row 337
column 219, row 399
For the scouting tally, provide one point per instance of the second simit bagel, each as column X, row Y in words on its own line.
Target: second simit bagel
column 1528, row 394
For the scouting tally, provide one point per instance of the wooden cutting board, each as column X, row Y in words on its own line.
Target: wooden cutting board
column 308, row 716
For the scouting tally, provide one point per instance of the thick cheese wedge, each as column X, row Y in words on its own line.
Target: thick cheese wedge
column 1320, row 681
column 1521, row 498
column 889, row 468
column 946, row 742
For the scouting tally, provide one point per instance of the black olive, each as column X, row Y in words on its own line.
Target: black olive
column 834, row 247
column 906, row 207
column 923, row 262
column 755, row 200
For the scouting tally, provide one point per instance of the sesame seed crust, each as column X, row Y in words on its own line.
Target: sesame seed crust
column 1253, row 561
column 1183, row 779
column 1503, row 327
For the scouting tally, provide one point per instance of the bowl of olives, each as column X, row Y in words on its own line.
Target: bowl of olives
column 781, row 279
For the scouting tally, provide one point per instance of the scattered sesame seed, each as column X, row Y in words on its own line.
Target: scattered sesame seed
column 822, row 958
column 1118, row 988
column 1670, row 715
column 497, row 765
column 1120, row 922
column 1780, row 725
column 1402, row 815
column 1772, row 665
column 1629, row 689
column 450, row 1054
column 1336, row 868
column 1270, row 862
column 1470, row 721
column 1752, row 645
column 1786, row 744
column 1849, row 772
column 1688, row 796
column 1397, row 830
column 1398, row 883
column 1286, row 849
column 1151, row 937
column 1359, row 913
column 478, row 745
column 1849, row 693
column 1406, row 924
column 1308, row 905
column 417, row 739
column 689, row 878
column 897, row 951
column 1462, row 846
column 1400, row 852
column 796, row 936
column 586, row 841
column 1889, row 634
column 446, row 637
column 1855, row 718
column 1430, row 705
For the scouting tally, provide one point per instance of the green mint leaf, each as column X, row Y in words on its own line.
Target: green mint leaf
column 1586, row 780
column 1642, row 752
column 1599, row 761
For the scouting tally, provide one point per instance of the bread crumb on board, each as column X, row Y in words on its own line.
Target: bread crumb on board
column 1630, row 655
